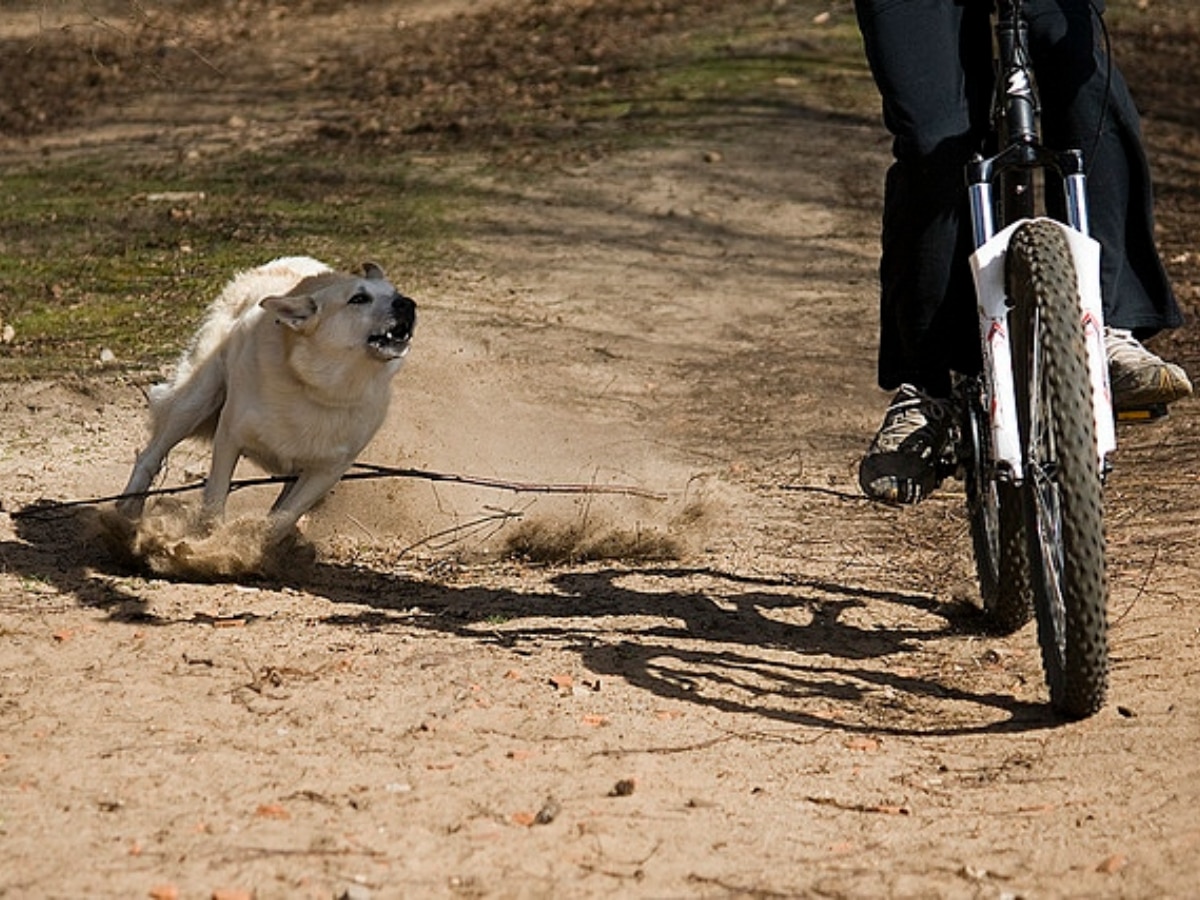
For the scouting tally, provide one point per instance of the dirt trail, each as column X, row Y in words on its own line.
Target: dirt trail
column 798, row 703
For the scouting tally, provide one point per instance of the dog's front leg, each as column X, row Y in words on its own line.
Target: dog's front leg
column 226, row 454
column 297, row 498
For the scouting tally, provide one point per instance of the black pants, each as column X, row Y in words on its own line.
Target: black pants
column 932, row 62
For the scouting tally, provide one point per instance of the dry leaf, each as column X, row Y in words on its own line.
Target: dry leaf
column 1113, row 864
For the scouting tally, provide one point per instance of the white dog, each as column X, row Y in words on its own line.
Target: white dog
column 291, row 368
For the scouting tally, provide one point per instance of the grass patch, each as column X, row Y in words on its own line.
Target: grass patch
column 795, row 58
column 782, row 58
column 123, row 258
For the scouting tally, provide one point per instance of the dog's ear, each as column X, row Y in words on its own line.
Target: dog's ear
column 292, row 310
column 373, row 272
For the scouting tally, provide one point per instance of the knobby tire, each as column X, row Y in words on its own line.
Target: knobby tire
column 1061, row 491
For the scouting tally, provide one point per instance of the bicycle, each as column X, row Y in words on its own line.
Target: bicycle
column 1037, row 425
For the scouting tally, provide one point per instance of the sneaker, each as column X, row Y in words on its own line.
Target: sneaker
column 904, row 462
column 1140, row 379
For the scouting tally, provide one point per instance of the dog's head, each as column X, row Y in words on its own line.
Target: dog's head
column 342, row 312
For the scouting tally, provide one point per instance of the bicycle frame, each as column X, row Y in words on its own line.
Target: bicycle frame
column 995, row 214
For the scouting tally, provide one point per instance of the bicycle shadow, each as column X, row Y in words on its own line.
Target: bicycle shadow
column 730, row 652
column 800, row 652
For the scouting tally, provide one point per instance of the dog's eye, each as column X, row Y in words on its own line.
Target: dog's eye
column 361, row 297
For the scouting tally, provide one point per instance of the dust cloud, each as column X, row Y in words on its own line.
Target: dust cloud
column 459, row 411
column 170, row 541
column 559, row 492
column 564, row 483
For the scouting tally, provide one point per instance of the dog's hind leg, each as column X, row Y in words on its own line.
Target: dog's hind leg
column 178, row 412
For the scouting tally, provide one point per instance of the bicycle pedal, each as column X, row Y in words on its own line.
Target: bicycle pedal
column 1147, row 413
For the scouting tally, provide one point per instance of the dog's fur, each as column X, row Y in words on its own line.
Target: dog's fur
column 291, row 368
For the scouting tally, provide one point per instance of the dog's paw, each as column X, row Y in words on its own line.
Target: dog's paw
column 289, row 558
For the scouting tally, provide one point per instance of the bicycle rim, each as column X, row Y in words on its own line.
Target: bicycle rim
column 1062, row 490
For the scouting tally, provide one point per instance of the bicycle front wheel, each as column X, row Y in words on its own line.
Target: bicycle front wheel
column 1062, row 492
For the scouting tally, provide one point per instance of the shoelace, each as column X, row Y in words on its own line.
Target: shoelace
column 909, row 416
column 1117, row 340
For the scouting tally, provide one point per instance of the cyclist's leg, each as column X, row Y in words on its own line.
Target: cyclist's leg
column 1079, row 92
column 936, row 111
column 1077, row 95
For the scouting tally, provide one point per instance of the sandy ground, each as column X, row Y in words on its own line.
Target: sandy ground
column 759, row 686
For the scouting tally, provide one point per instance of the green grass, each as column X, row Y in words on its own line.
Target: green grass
column 777, row 60
column 90, row 263
column 773, row 63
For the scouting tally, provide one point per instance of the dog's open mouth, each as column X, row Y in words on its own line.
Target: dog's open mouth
column 392, row 343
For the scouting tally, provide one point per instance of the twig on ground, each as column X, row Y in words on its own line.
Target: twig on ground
column 458, row 531
column 366, row 471
column 1140, row 591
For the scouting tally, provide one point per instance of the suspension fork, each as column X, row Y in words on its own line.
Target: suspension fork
column 991, row 238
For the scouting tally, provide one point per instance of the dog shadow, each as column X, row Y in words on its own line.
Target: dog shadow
column 794, row 650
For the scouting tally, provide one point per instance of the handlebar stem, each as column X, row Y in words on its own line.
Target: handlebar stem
column 1019, row 124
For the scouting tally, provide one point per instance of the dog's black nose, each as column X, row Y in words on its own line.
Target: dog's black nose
column 405, row 311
